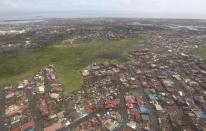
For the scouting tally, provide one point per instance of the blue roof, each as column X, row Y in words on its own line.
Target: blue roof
column 144, row 109
column 153, row 97
column 199, row 114
column 30, row 129
column 152, row 94
column 151, row 91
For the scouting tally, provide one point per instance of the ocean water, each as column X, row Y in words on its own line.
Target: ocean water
column 32, row 17
column 17, row 19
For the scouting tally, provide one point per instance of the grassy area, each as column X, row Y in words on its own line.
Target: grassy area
column 68, row 60
column 201, row 52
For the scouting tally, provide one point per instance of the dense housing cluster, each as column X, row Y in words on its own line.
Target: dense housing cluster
column 32, row 104
column 157, row 91
column 177, row 40
column 175, row 86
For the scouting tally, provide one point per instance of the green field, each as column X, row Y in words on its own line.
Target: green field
column 201, row 52
column 68, row 59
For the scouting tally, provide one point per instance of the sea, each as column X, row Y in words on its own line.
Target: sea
column 36, row 17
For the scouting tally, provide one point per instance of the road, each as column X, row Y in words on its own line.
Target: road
column 33, row 104
column 2, row 110
column 46, row 82
column 122, row 106
column 35, row 113
column 152, row 114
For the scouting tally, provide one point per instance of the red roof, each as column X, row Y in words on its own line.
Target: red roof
column 56, row 89
column 86, row 125
column 140, row 100
column 25, row 108
column 88, row 108
column 15, row 129
column 43, row 107
column 135, row 114
column 27, row 125
column 130, row 99
column 111, row 103
column 54, row 127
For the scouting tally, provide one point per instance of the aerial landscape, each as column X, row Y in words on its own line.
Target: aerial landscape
column 102, row 73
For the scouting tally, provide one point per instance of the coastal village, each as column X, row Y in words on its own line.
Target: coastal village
column 155, row 91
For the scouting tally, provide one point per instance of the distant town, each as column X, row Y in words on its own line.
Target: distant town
column 160, row 87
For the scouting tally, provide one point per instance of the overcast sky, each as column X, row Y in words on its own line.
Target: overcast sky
column 130, row 8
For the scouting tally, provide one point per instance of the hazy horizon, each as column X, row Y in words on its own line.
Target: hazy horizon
column 180, row 9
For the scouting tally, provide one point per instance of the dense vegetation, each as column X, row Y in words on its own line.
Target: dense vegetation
column 68, row 59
